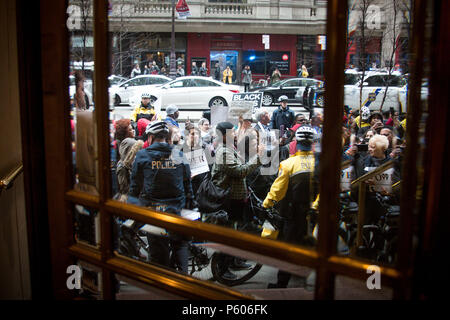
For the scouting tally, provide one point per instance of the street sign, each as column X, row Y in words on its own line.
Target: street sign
column 254, row 97
column 182, row 9
column 266, row 41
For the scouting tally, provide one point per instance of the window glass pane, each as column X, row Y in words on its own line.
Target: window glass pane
column 81, row 91
column 85, row 280
column 128, row 289
column 209, row 261
column 166, row 171
column 374, row 132
column 373, row 288
column 266, row 62
column 86, row 225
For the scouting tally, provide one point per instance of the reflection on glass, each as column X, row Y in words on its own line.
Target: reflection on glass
column 185, row 168
column 127, row 289
column 352, row 289
column 373, row 133
column 206, row 260
column 90, row 281
column 86, row 225
column 81, row 68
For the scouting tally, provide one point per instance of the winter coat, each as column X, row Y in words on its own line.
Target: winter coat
column 246, row 76
column 160, row 177
column 229, row 170
column 124, row 166
column 284, row 117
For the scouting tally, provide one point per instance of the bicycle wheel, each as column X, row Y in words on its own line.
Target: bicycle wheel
column 241, row 274
column 199, row 264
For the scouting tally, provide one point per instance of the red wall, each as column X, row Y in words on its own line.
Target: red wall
column 198, row 46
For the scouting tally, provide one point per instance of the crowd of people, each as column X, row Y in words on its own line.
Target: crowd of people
column 157, row 165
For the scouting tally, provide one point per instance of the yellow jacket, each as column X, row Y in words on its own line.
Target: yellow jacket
column 302, row 162
column 364, row 124
column 139, row 110
column 403, row 124
column 229, row 74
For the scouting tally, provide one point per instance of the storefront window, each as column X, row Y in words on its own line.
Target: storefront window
column 265, row 62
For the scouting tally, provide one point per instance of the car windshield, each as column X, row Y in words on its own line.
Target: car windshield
column 116, row 80
column 278, row 83
column 351, row 78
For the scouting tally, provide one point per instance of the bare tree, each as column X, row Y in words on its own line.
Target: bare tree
column 392, row 34
column 365, row 35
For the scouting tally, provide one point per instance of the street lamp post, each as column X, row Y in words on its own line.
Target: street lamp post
column 173, row 70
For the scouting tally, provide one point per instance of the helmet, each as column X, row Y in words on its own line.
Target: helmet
column 156, row 127
column 283, row 98
column 304, row 133
column 145, row 95
column 365, row 113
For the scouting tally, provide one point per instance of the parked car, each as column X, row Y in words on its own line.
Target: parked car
column 287, row 87
column 316, row 94
column 116, row 80
column 374, row 86
column 191, row 93
column 121, row 94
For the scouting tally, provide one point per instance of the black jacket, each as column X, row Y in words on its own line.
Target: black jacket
column 284, row 117
column 160, row 176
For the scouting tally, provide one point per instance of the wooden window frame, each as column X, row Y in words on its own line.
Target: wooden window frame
column 324, row 258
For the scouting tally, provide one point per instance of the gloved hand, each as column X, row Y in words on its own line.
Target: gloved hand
column 190, row 202
column 268, row 203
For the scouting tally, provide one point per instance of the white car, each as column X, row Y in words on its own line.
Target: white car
column 191, row 93
column 373, row 90
column 121, row 94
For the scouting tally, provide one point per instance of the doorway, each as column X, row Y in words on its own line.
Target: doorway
column 224, row 59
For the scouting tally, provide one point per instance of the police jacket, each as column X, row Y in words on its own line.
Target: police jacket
column 284, row 117
column 142, row 112
column 160, row 177
column 296, row 185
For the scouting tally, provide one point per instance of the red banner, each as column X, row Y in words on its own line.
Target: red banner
column 182, row 9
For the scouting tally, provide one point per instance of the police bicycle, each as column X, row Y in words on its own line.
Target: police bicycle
column 379, row 240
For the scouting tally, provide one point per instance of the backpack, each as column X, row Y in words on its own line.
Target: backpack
column 210, row 198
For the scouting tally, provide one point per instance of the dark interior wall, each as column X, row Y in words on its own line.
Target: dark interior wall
column 29, row 56
column 432, row 279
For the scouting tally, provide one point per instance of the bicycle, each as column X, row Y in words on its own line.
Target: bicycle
column 203, row 262
column 379, row 240
column 254, row 225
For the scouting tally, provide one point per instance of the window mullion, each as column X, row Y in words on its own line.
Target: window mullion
column 409, row 174
column 101, row 61
column 331, row 150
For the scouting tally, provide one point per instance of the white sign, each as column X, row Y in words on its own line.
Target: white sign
column 382, row 181
column 347, row 175
column 266, row 41
column 240, row 108
column 255, row 97
column 197, row 161
column 218, row 114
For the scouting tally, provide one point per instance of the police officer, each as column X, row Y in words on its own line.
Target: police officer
column 295, row 188
column 161, row 180
column 144, row 110
column 283, row 118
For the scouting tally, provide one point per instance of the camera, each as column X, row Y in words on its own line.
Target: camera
column 362, row 147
